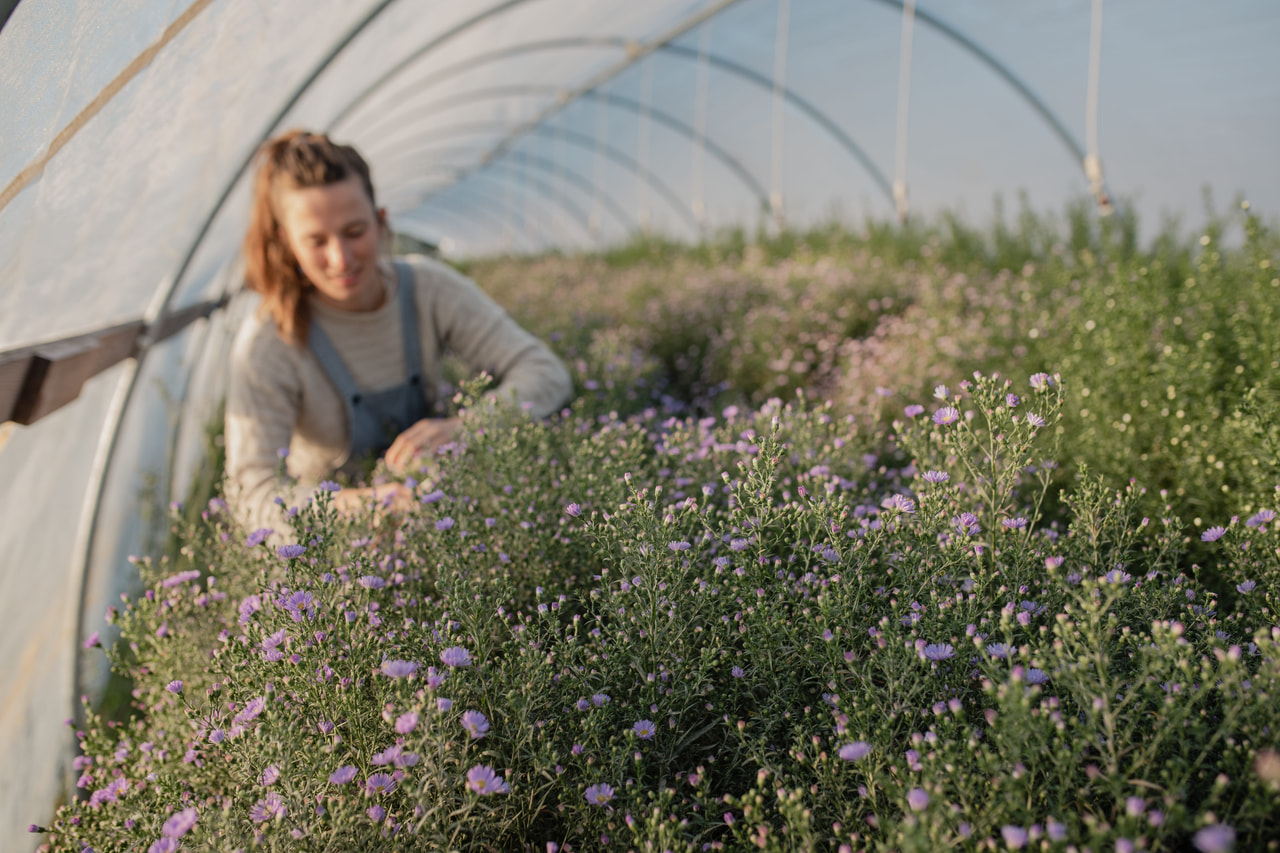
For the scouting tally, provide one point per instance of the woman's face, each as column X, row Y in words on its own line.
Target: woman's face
column 334, row 233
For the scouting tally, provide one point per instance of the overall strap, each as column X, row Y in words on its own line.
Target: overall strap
column 405, row 287
column 327, row 354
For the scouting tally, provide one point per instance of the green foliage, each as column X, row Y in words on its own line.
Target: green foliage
column 752, row 629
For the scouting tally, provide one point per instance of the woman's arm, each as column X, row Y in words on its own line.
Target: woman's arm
column 264, row 396
column 486, row 338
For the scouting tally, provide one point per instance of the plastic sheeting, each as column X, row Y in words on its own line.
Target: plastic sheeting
column 508, row 125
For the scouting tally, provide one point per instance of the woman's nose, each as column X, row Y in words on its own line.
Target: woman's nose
column 340, row 257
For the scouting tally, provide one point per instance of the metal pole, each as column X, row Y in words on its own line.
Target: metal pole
column 1092, row 161
column 779, row 86
column 904, row 107
column 642, row 144
column 700, row 124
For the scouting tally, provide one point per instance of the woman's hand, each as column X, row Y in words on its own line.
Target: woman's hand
column 425, row 436
column 396, row 497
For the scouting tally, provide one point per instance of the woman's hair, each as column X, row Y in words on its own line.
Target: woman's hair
column 294, row 160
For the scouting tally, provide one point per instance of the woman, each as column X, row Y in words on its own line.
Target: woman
column 342, row 362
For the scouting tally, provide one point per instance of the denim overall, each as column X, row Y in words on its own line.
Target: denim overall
column 377, row 417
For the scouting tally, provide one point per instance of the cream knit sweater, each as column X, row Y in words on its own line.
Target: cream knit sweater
column 279, row 396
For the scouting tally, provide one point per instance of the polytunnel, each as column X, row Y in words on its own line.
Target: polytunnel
column 499, row 126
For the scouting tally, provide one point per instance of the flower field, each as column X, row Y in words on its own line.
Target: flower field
column 906, row 539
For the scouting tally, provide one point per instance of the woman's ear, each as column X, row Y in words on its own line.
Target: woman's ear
column 382, row 217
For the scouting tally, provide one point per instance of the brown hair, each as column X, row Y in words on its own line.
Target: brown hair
column 293, row 160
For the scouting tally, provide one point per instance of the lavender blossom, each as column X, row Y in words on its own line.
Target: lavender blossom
column 855, row 751
column 938, row 651
column 342, row 775
column 258, row 536
column 270, row 807
column 475, row 724
column 946, row 416
column 456, row 656
column 179, row 824
column 1213, row 534
column 600, row 794
column 484, row 781
column 1218, row 838
column 399, row 668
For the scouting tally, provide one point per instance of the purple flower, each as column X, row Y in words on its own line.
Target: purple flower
column 1213, row 534
column 1034, row 420
column 1261, row 517
column 998, row 650
column 300, row 605
column 399, row 668
column 936, row 477
column 249, row 606
column 946, row 416
column 371, row 582
column 1012, row 400
column 91, row 640
column 380, row 783
column 444, row 523
column 1134, row 806
column 1246, row 587
column 396, row 755
column 432, row 497
column 161, row 845
column 270, row 776
column 938, row 651
column 1218, row 838
column 180, row 578
column 917, row 799
column 269, row 807
column 855, row 751
column 914, row 410
column 967, row 522
column 484, row 781
column 406, row 722
column 289, row 552
column 443, row 704
column 455, row 656
column 342, row 775
column 598, row 795
column 1014, row 836
column 174, row 686
column 737, row 672
column 1117, row 576
column 902, row 503
column 679, row 546
column 252, row 709
column 179, row 824
column 599, row 699
column 258, row 536
column 940, row 392
column 1041, row 381
column 1014, row 523
column 583, row 705
column 1037, row 676
column 645, row 729
column 376, row 813
column 434, row 678
column 475, row 724
column 573, row 510
column 328, row 486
